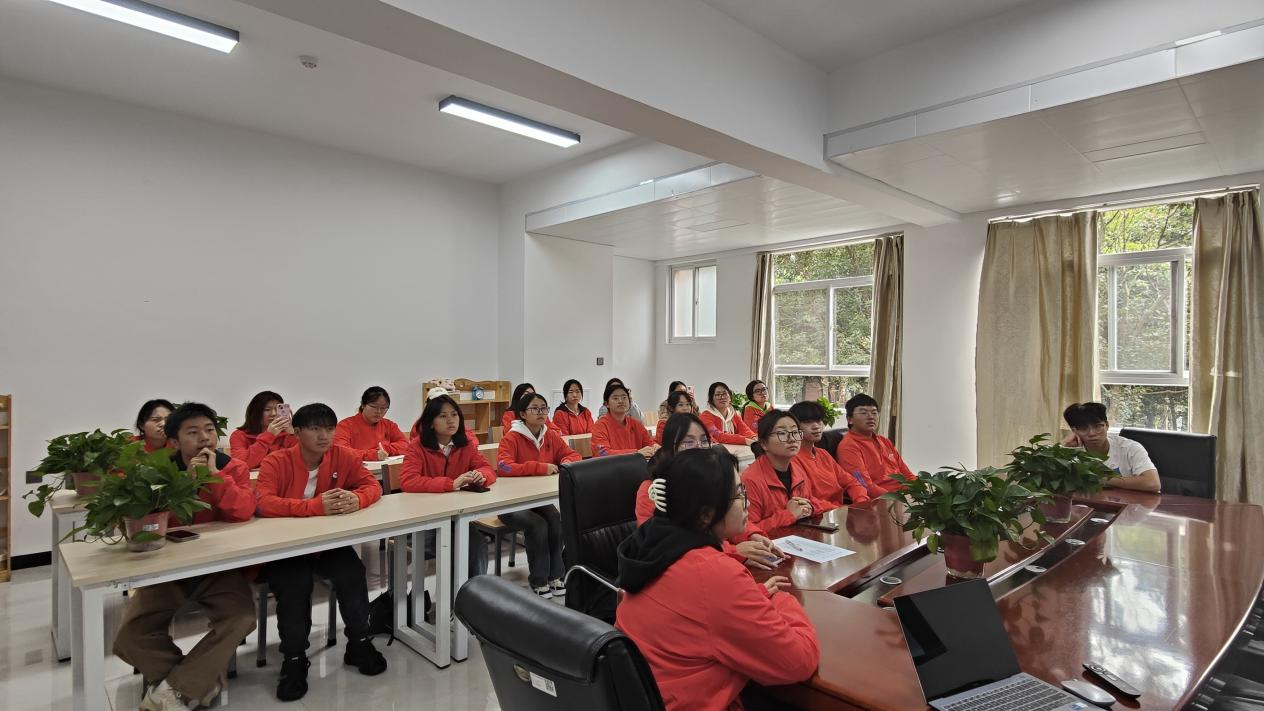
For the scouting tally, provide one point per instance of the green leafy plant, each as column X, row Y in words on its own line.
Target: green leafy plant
column 1044, row 465
column 93, row 452
column 739, row 401
column 981, row 504
column 831, row 412
column 151, row 482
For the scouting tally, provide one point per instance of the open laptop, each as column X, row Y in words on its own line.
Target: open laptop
column 963, row 655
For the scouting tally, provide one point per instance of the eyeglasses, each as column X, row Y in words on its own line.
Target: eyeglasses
column 788, row 436
column 760, row 391
column 741, row 494
column 865, row 411
column 694, row 443
column 378, row 408
column 538, row 410
column 618, row 398
column 720, row 395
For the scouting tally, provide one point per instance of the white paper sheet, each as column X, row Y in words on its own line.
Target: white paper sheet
column 809, row 549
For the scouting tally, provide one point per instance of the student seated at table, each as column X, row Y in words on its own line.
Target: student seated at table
column 507, row 419
column 869, row 457
column 723, row 422
column 634, row 411
column 571, row 417
column 617, row 431
column 369, row 432
column 829, row 480
column 151, row 424
column 705, row 626
column 441, row 457
column 533, row 448
column 1090, row 430
column 433, row 393
column 779, row 489
column 173, row 680
column 264, row 430
column 664, row 408
column 756, row 403
column 679, row 402
column 317, row 478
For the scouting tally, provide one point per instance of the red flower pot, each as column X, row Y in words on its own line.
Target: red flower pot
column 86, row 484
column 1057, row 511
column 961, row 564
column 154, row 523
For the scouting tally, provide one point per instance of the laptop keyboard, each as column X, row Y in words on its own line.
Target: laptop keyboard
column 1019, row 695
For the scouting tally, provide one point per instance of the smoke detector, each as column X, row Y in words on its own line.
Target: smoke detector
column 308, row 61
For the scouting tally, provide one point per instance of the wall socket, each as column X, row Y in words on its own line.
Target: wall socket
column 601, row 361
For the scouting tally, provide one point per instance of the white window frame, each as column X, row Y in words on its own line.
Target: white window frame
column 1177, row 257
column 672, row 338
column 829, row 369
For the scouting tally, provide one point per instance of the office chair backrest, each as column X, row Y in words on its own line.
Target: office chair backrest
column 598, row 498
column 1186, row 461
column 545, row 657
column 831, row 439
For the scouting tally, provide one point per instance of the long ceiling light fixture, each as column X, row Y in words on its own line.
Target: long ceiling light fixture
column 506, row 121
column 160, row 20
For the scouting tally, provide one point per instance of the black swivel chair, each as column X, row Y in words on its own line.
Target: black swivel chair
column 598, row 498
column 1186, row 462
column 830, row 440
column 545, row 657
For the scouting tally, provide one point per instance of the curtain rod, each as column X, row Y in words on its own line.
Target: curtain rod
column 810, row 246
column 1132, row 202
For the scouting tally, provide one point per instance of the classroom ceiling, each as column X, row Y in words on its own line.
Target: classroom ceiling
column 1201, row 126
column 358, row 98
column 752, row 212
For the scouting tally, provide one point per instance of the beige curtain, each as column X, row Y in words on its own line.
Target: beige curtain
column 1036, row 333
column 888, row 325
column 1227, row 349
column 761, row 337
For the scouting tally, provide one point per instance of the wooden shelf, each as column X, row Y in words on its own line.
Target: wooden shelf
column 479, row 402
column 4, row 427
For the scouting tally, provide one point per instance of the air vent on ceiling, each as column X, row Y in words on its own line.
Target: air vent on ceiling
column 1144, row 147
column 717, row 225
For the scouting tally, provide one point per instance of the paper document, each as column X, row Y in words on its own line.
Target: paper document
column 809, row 549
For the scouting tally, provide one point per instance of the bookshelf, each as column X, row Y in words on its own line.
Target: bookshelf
column 6, row 488
column 482, row 416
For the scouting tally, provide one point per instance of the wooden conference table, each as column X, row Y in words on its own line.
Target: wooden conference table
column 1156, row 591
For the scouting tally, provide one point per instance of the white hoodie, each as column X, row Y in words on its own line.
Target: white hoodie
column 521, row 428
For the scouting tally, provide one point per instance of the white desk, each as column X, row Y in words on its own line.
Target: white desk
column 69, row 510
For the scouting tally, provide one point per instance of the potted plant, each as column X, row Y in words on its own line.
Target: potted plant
column 831, row 412
column 966, row 512
column 150, row 490
column 1046, row 466
column 77, row 462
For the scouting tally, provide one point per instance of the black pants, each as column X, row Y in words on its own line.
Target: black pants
column 542, row 527
column 291, row 582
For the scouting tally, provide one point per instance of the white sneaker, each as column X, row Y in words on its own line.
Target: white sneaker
column 211, row 696
column 558, row 587
column 543, row 591
column 163, row 698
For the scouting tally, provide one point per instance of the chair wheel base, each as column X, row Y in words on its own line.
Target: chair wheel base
column 232, row 675
column 261, row 663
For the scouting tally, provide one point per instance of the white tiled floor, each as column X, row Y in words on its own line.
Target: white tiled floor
column 31, row 678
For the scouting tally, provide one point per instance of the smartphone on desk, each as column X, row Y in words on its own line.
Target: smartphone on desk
column 180, row 535
column 476, row 488
column 819, row 525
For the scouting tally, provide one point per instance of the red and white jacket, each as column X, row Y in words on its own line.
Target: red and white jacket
column 430, row 471
column 356, row 433
column 283, row 482
column 767, row 497
column 522, row 454
column 569, row 423
column 610, row 437
column 251, row 449
column 730, row 429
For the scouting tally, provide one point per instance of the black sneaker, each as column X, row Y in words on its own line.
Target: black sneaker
column 293, row 683
column 363, row 656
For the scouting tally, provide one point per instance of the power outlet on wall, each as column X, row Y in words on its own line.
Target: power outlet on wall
column 601, row 361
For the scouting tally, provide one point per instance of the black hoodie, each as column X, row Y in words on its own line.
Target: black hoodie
column 653, row 548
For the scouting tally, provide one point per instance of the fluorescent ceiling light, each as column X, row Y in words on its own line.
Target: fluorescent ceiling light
column 160, row 20
column 506, row 121
column 1198, row 38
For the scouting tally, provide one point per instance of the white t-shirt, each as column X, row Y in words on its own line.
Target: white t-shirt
column 310, row 491
column 1127, row 456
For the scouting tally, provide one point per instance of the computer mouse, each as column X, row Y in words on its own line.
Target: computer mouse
column 1089, row 692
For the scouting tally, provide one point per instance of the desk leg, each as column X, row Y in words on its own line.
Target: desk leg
column 460, row 574
column 433, row 643
column 87, row 627
column 62, row 524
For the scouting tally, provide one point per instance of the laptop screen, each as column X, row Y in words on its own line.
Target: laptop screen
column 956, row 638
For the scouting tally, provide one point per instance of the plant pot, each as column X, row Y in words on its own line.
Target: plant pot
column 961, row 564
column 154, row 523
column 86, row 484
column 1058, row 510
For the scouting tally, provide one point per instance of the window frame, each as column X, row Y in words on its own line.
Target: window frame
column 829, row 369
column 1177, row 375
column 672, row 338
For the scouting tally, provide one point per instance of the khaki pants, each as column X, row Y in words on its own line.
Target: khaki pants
column 144, row 640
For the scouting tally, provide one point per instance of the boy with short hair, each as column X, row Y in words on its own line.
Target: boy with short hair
column 1090, row 430
column 869, row 457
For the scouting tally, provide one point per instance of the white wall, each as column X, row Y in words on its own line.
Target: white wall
column 634, row 351
column 147, row 254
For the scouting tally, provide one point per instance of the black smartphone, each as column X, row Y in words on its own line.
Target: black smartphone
column 180, row 535
column 821, row 525
column 476, row 488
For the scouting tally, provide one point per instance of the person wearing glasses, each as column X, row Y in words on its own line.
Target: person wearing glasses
column 571, row 417
column 617, row 431
column 264, row 431
column 869, row 457
column 829, row 480
column 1091, row 430
column 679, row 402
column 779, row 489
column 706, row 627
column 369, row 432
column 757, row 403
column 723, row 422
column 634, row 410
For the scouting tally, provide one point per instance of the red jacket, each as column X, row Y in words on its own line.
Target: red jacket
column 658, row 431
column 232, row 499
column 570, row 424
column 871, row 461
column 283, row 481
column 506, row 422
column 767, row 498
column 645, row 509
column 751, row 414
column 518, row 456
column 251, row 449
column 707, row 628
column 356, row 433
column 610, row 437
column 429, row 471
column 715, row 428
column 829, row 480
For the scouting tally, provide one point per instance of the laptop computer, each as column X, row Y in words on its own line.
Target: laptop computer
column 963, row 655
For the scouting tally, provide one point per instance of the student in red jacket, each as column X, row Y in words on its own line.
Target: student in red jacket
column 869, row 457
column 507, row 419
column 723, row 422
column 369, row 432
column 617, row 432
column 829, row 480
column 779, row 490
column 678, row 403
column 174, row 679
column 264, row 430
column 433, row 393
column 532, row 448
column 317, row 478
column 571, row 417
column 705, row 626
column 150, row 424
column 756, row 403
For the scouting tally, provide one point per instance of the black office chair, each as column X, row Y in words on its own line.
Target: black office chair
column 1186, row 461
column 542, row 656
column 831, row 439
column 598, row 498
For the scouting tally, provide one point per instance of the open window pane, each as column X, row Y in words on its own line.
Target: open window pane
column 682, row 303
column 1139, row 229
column 1103, row 319
column 1162, row 407
column 802, row 325
column 706, row 301
column 1144, row 313
column 789, row 389
column 853, row 325
column 829, row 263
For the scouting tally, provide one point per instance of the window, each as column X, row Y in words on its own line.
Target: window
column 692, row 296
column 1143, row 305
column 822, row 323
